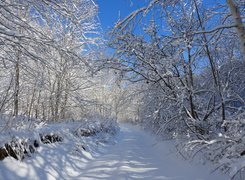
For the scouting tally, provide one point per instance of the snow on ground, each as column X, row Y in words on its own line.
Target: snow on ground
column 136, row 155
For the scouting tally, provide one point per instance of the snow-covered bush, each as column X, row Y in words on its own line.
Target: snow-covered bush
column 226, row 150
column 92, row 127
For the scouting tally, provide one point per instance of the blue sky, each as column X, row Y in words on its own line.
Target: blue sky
column 109, row 10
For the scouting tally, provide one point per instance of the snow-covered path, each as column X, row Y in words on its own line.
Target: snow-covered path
column 138, row 156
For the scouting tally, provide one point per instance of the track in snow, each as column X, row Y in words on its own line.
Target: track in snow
column 137, row 156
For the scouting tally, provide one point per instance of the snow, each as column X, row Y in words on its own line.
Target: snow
column 136, row 155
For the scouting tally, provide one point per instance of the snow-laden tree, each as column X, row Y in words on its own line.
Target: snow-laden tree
column 47, row 52
column 189, row 57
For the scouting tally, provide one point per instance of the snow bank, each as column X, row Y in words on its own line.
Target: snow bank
column 80, row 142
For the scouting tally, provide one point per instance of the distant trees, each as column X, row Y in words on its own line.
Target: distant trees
column 190, row 59
column 110, row 97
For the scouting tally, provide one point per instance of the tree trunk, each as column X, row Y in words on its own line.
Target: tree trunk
column 17, row 86
column 3, row 101
column 64, row 104
column 190, row 84
column 31, row 103
column 240, row 27
column 37, row 105
column 212, row 64
column 57, row 99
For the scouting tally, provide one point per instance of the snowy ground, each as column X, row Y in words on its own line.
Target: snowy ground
column 136, row 155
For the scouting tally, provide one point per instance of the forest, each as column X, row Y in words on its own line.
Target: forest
column 175, row 68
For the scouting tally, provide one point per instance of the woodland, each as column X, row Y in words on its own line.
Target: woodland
column 174, row 67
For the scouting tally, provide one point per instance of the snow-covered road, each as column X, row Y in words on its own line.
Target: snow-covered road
column 136, row 155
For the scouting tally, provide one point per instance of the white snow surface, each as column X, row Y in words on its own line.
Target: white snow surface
column 136, row 155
